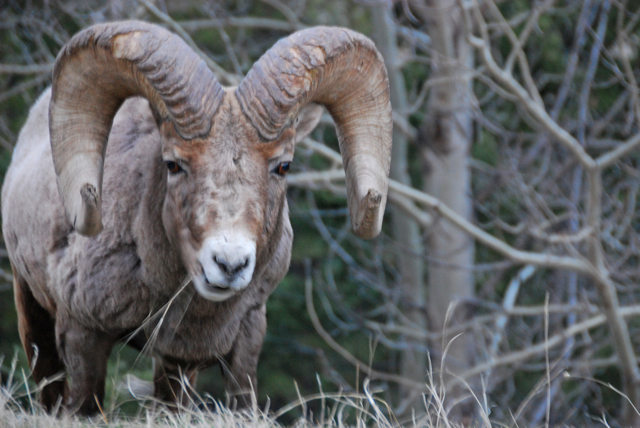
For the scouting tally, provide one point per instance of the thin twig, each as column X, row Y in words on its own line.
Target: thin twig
column 26, row 69
column 508, row 303
column 609, row 158
column 285, row 10
column 343, row 352
column 519, row 53
column 537, row 111
column 553, row 341
column 438, row 208
column 241, row 22
column 22, row 87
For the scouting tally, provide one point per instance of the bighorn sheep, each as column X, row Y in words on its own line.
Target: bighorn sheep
column 162, row 174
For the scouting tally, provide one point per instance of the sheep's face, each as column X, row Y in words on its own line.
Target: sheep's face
column 225, row 199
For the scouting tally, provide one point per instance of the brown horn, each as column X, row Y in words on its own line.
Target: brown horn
column 94, row 73
column 342, row 70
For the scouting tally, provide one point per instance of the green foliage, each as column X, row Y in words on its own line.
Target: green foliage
column 9, row 338
column 486, row 148
column 553, row 58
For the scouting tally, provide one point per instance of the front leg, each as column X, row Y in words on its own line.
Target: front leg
column 240, row 365
column 85, row 353
column 173, row 383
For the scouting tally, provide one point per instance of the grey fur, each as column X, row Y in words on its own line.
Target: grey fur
column 77, row 295
column 98, row 290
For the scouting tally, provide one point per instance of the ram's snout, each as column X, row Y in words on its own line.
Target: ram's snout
column 227, row 261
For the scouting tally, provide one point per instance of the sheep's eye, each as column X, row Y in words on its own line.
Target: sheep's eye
column 173, row 167
column 283, row 168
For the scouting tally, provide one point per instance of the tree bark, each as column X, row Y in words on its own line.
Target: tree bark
column 445, row 140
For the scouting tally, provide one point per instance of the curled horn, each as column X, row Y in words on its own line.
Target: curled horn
column 94, row 73
column 343, row 71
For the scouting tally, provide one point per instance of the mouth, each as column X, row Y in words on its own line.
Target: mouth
column 217, row 288
column 211, row 291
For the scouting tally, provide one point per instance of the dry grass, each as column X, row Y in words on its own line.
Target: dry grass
column 19, row 409
column 341, row 411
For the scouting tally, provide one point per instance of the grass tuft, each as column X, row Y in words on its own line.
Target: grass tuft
column 19, row 408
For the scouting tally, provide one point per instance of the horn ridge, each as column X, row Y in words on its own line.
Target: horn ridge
column 94, row 73
column 344, row 71
column 166, row 62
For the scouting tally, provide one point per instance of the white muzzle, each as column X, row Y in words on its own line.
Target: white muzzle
column 227, row 261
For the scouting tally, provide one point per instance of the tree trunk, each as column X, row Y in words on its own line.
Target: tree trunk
column 445, row 140
column 406, row 232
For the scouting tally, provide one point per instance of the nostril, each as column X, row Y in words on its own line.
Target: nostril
column 231, row 269
column 222, row 263
column 240, row 266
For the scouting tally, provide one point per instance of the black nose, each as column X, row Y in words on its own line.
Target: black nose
column 231, row 270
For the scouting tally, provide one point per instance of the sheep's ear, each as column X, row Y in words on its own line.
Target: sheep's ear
column 307, row 120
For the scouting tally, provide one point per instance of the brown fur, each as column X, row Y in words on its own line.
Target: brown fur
column 77, row 296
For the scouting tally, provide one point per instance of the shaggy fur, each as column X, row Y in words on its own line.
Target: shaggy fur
column 192, row 187
column 77, row 296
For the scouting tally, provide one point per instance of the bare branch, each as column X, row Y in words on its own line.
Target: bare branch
column 403, row 125
column 346, row 354
column 508, row 303
column 537, row 259
column 26, row 69
column 241, row 22
column 535, row 109
column 285, row 10
column 613, row 156
column 519, row 53
column 28, row 84
column 532, row 23
column 540, row 348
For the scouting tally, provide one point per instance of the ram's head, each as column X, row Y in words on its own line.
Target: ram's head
column 226, row 150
